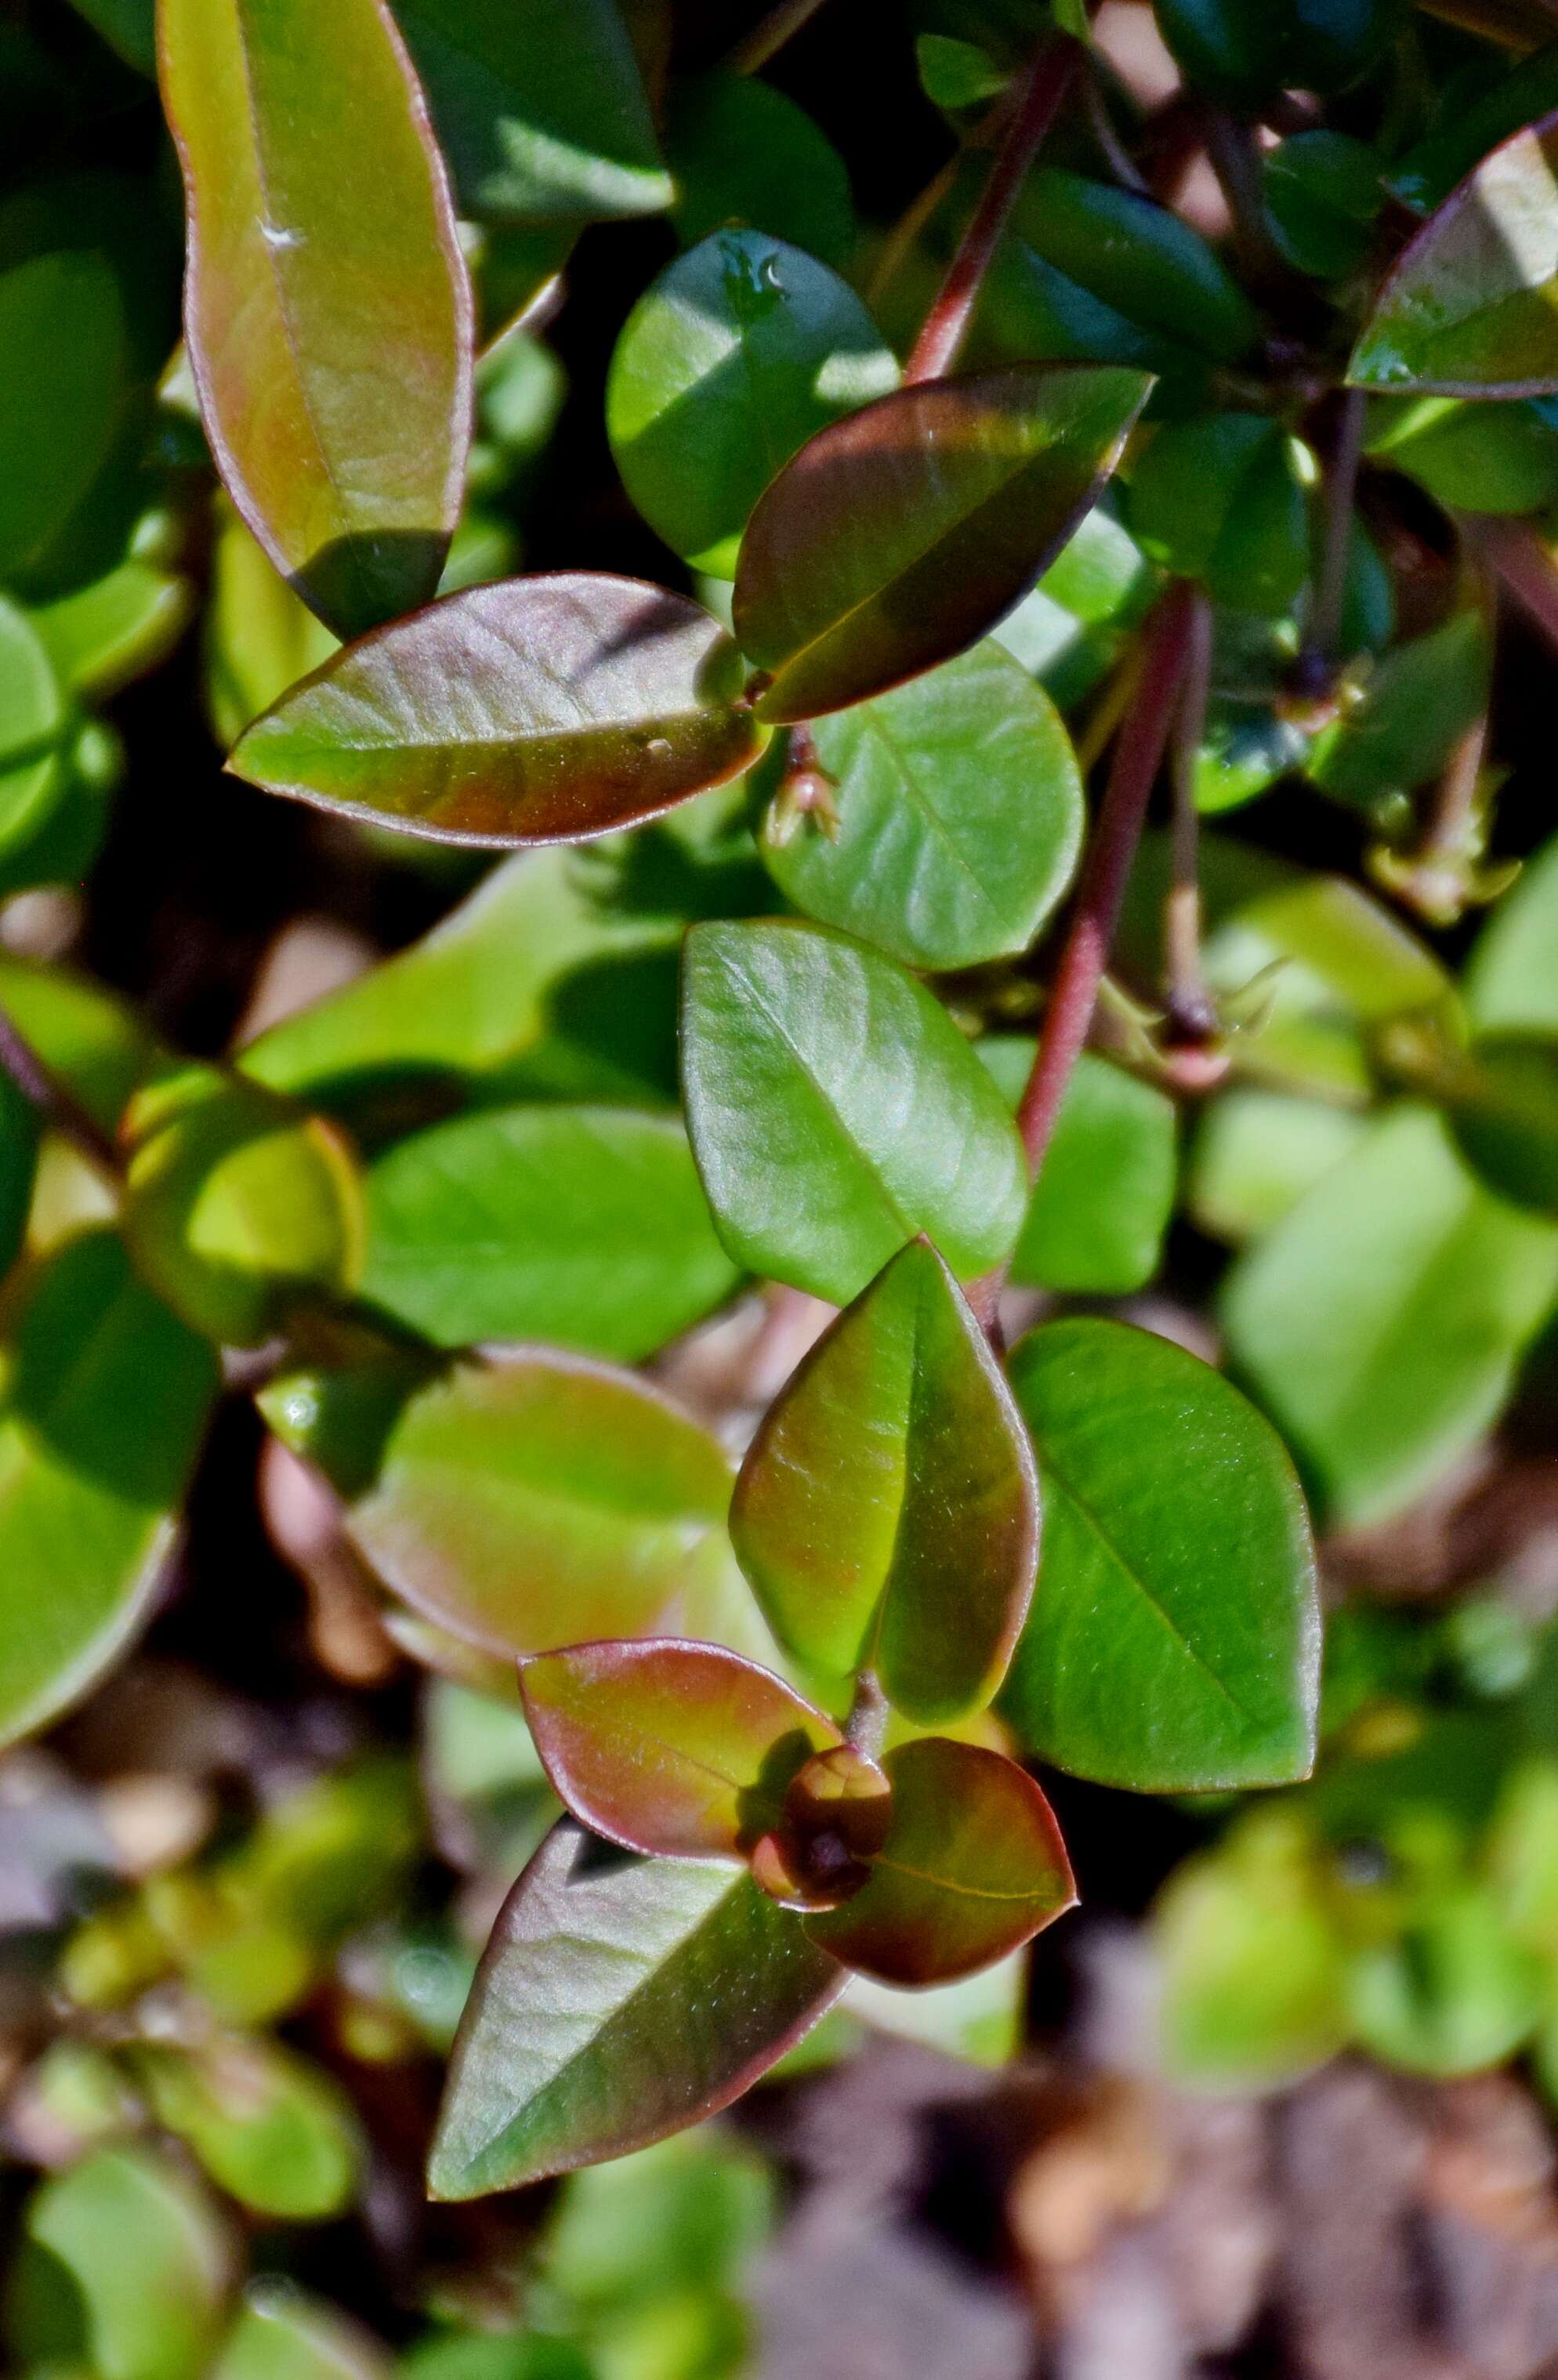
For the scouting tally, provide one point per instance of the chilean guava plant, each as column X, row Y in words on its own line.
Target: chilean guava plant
column 842, row 965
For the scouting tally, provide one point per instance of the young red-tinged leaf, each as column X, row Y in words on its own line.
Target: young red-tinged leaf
column 519, row 1502
column 1175, row 1640
column 1468, row 309
column 617, row 2003
column 887, row 1513
column 835, row 1110
column 973, row 1867
column 327, row 310
column 898, row 537
column 667, row 1746
column 540, row 711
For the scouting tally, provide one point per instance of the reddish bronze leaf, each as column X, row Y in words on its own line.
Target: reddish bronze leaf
column 668, row 1746
column 898, row 536
column 327, row 309
column 973, row 1867
column 540, row 711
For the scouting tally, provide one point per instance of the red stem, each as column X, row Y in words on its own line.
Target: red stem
column 767, row 39
column 1138, row 754
column 1340, row 491
column 1037, row 99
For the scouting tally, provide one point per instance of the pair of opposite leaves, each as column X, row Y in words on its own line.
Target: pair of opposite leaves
column 887, row 1517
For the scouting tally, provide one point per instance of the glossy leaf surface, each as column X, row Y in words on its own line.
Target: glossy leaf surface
column 1382, row 1320
column 585, row 1227
column 887, row 1513
column 260, row 637
column 732, row 359
column 540, row 109
column 1221, row 499
column 330, row 340
column 1104, row 1195
column 84, row 1035
column 1136, row 264
column 113, row 631
column 1468, row 309
column 526, row 1504
column 743, row 151
column 237, row 1205
column 616, row 2004
column 1175, row 1640
column 539, row 710
column 959, row 808
column 972, row 1867
column 677, row 1748
column 835, row 1110
column 899, row 537
column 105, row 1403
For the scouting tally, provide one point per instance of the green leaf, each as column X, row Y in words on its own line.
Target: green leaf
column 129, row 26
column 1174, row 1645
column 1256, row 1155
column 887, row 1513
column 730, row 361
column 543, row 710
column 107, row 634
column 687, row 2213
column 1242, row 55
column 1513, row 977
column 104, row 1405
column 269, row 2128
column 1322, row 192
column 76, row 317
column 33, row 773
column 1467, row 311
column 1070, row 630
column 1381, row 1322
column 541, row 110
column 973, row 1867
column 959, row 808
column 260, row 636
column 667, row 1746
column 616, row 2004
column 1137, row 260
column 1463, row 134
column 330, row 339
column 1105, row 1196
column 1489, row 458
column 523, row 1504
column 1454, row 1995
column 956, row 75
column 896, row 538
column 835, row 1110
column 237, row 1206
column 86, row 1038
column 501, row 981
column 586, row 1227
column 1223, row 499
column 149, row 2255
column 1501, row 1097
column 1253, row 1968
column 742, row 152
column 18, row 1160
column 981, row 2018
column 284, row 2334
